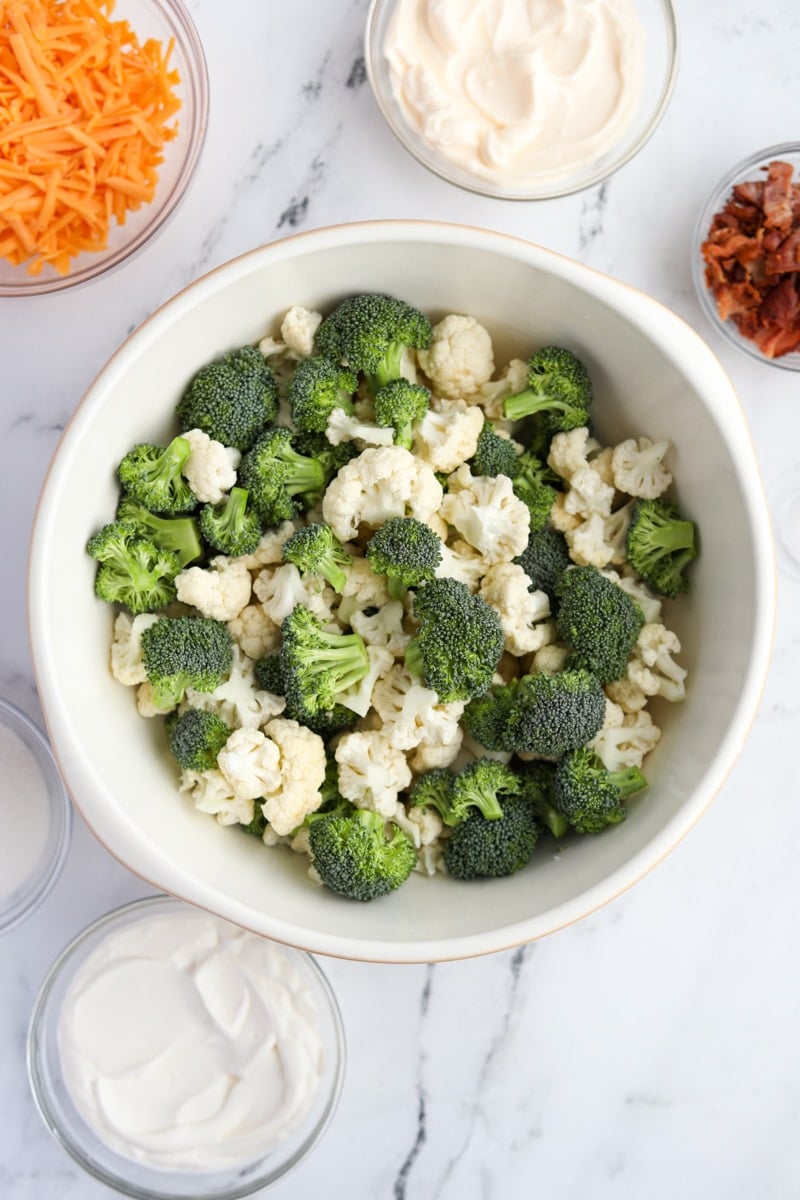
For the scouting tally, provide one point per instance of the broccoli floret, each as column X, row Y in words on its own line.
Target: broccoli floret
column 230, row 527
column 532, row 483
column 406, row 552
column 537, row 786
column 589, row 796
column 660, row 545
column 185, row 652
column 402, row 405
column 133, row 570
column 369, row 333
column 599, row 620
column 316, row 665
column 495, row 455
column 433, row 789
column 559, row 388
column 459, row 641
column 196, row 738
column 231, row 399
column 482, row 785
column 544, row 560
column 315, row 550
column 551, row 714
column 316, row 388
column 280, row 480
column 355, row 857
column 178, row 534
column 151, row 475
column 480, row 848
column 326, row 722
column 267, row 674
column 486, row 718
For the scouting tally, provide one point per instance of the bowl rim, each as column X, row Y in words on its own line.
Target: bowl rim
column 438, row 166
column 676, row 340
column 197, row 84
column 716, row 198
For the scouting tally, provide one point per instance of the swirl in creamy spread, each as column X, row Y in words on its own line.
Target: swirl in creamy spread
column 517, row 91
column 190, row 1044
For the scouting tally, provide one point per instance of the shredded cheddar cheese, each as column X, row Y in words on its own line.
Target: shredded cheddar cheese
column 85, row 112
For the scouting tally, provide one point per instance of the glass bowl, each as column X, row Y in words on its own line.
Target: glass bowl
column 36, row 845
column 139, row 1179
column 660, row 72
column 749, row 169
column 162, row 20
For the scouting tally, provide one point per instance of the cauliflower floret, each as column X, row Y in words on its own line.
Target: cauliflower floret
column 462, row 562
column 344, row 428
column 487, row 514
column 627, row 695
column 559, row 518
column 255, row 631
column 423, row 825
column 602, row 463
column 626, row 744
column 237, row 700
column 600, row 540
column 363, row 589
column 210, row 469
column 513, row 378
column 251, row 763
column 382, row 482
column 298, row 330
column 145, row 704
column 570, row 451
column 384, row 628
column 652, row 667
column 633, row 585
column 551, row 658
column 404, row 706
column 459, row 359
column 522, row 613
column 126, row 647
column 280, row 589
column 446, row 437
column 430, row 860
column 372, row 771
column 588, row 494
column 212, row 793
column 301, row 774
column 270, row 549
column 442, row 738
column 358, row 698
column 638, row 467
column 221, row 592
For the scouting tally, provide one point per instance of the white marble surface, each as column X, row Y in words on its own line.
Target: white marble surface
column 653, row 1050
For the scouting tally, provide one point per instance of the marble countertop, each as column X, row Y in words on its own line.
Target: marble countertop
column 651, row 1050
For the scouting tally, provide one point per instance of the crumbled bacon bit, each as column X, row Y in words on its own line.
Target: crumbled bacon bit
column 752, row 257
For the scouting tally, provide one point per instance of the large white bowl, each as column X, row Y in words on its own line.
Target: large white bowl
column 652, row 375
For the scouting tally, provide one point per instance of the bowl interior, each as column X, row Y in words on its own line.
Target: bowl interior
column 652, row 376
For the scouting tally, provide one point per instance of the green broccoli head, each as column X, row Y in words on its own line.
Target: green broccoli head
column 151, row 475
column 544, row 560
column 230, row 527
column 369, row 333
column 267, row 674
column 406, row 551
column 483, row 785
column 280, row 481
column 232, row 399
column 495, row 455
column 401, row 405
column 315, row 550
column 551, row 714
column 532, row 484
column 178, row 534
column 433, row 789
column 318, row 386
column 589, row 796
column 660, row 545
column 316, row 665
column 459, row 641
column 559, row 389
column 326, row 722
column 536, row 779
column 479, row 848
column 356, row 857
column 196, row 738
column 487, row 718
column 185, row 652
column 599, row 620
column 133, row 570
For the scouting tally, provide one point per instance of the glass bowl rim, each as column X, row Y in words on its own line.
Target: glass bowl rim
column 41, row 1092
column 438, row 165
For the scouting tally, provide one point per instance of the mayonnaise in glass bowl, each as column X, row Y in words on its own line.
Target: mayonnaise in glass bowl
column 452, row 43
column 166, row 1111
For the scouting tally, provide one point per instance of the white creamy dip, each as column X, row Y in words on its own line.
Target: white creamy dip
column 517, row 92
column 190, row 1044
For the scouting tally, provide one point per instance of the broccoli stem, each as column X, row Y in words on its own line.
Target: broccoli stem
column 414, row 659
column 526, row 403
column 396, row 588
column 628, row 781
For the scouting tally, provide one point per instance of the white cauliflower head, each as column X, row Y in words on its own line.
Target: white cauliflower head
column 362, row 589
column 422, row 825
column 220, row 591
column 649, row 603
column 651, row 665
column 301, row 773
column 237, row 700
column 588, row 494
column 255, row 631
column 491, row 395
column 404, row 706
column 372, row 771
column 600, row 540
column 448, row 435
column 638, row 467
column 342, row 427
column 381, row 482
column 298, row 330
column 523, row 614
column 280, row 589
column 126, row 647
column 625, row 744
column 462, row 562
column 383, row 628
column 210, row 469
column 212, row 793
column 487, row 514
column 459, row 359
column 569, row 452
column 251, row 763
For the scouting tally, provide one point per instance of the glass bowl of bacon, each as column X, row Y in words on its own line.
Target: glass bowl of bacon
column 103, row 113
column 746, row 256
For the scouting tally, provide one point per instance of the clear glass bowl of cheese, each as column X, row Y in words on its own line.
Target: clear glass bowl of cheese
column 526, row 111
column 178, row 1057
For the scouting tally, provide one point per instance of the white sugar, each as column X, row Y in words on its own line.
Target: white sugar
column 25, row 809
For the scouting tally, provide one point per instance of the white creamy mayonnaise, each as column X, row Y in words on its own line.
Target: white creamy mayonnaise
column 187, row 1043
column 517, row 92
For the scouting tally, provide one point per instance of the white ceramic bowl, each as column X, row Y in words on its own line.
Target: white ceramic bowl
column 652, row 375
